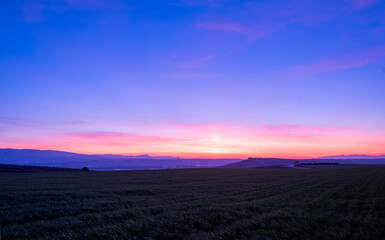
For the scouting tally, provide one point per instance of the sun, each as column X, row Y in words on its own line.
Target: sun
column 216, row 138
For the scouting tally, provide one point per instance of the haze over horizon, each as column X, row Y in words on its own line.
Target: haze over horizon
column 146, row 156
column 190, row 78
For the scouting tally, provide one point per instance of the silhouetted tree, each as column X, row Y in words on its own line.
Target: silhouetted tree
column 85, row 169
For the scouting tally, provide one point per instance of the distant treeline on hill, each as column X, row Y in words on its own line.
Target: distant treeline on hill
column 318, row 163
column 22, row 168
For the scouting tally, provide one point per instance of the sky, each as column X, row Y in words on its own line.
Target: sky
column 190, row 78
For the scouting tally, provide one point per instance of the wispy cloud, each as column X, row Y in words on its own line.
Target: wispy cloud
column 287, row 131
column 194, row 61
column 259, row 19
column 341, row 62
column 230, row 27
column 209, row 3
column 187, row 68
column 94, row 4
column 251, row 32
column 6, row 121
column 33, row 11
column 98, row 135
column 363, row 3
column 188, row 75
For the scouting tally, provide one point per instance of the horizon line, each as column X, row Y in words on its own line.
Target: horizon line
column 185, row 157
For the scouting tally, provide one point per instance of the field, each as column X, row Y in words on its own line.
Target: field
column 340, row 203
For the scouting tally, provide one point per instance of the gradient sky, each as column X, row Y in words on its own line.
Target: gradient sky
column 190, row 78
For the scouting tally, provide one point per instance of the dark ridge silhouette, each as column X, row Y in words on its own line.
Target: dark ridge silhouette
column 319, row 163
column 21, row 168
column 59, row 159
column 50, row 158
column 353, row 157
column 284, row 162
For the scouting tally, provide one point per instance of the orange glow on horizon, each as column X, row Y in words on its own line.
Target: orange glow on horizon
column 214, row 141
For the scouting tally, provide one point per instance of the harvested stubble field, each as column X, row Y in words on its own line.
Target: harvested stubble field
column 341, row 203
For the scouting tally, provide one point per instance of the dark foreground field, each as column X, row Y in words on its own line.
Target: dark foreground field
column 341, row 203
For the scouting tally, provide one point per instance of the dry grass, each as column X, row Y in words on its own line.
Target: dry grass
column 341, row 203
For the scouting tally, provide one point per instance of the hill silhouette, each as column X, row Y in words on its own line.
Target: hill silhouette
column 21, row 168
column 50, row 158
column 284, row 162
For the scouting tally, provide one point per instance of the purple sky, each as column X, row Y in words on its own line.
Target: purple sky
column 211, row 78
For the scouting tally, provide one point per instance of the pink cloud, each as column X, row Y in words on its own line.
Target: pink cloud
column 98, row 135
column 114, row 136
column 188, row 75
column 209, row 3
column 303, row 133
column 258, row 19
column 230, row 27
column 340, row 63
column 278, row 14
column 74, row 123
column 94, row 4
column 363, row 3
column 252, row 32
column 12, row 121
column 289, row 127
column 263, row 18
column 193, row 62
column 32, row 12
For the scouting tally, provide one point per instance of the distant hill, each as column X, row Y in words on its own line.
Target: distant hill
column 62, row 159
column 20, row 168
column 260, row 162
column 268, row 162
column 354, row 157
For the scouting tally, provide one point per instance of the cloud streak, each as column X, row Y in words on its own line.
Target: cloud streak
column 251, row 32
column 358, row 4
column 193, row 62
column 256, row 20
column 229, row 27
column 188, row 75
column 340, row 63
column 33, row 11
